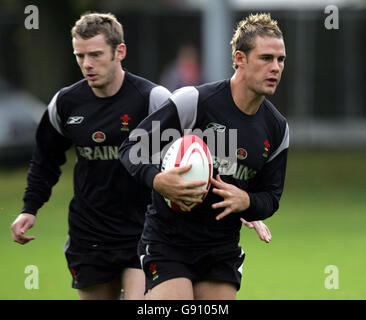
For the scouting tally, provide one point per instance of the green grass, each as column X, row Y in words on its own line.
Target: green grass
column 320, row 222
column 46, row 251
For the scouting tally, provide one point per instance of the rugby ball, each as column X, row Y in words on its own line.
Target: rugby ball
column 189, row 149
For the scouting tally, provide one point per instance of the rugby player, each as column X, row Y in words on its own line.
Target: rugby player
column 196, row 254
column 95, row 115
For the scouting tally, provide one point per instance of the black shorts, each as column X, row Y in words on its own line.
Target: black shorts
column 90, row 265
column 161, row 262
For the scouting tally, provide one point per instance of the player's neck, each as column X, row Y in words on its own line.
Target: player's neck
column 245, row 99
column 113, row 86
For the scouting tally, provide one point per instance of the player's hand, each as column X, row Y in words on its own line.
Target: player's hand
column 235, row 199
column 170, row 185
column 262, row 230
column 20, row 226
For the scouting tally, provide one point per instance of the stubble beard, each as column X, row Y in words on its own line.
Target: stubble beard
column 105, row 82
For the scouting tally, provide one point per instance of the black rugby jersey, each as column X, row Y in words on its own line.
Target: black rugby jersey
column 256, row 163
column 108, row 205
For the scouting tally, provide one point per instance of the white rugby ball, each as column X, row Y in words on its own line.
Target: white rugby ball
column 189, row 149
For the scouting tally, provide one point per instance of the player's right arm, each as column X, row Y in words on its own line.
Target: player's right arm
column 43, row 173
column 175, row 115
column 19, row 227
column 171, row 186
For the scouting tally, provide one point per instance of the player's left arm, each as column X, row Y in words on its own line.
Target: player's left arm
column 267, row 188
column 262, row 200
column 235, row 200
column 260, row 228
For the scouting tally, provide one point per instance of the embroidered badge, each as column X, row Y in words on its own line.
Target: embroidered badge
column 267, row 146
column 125, row 120
column 241, row 153
column 74, row 275
column 98, row 136
column 154, row 273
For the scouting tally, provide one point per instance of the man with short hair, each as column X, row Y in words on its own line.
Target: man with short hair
column 96, row 114
column 196, row 254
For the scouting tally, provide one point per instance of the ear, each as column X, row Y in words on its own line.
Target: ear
column 240, row 58
column 121, row 52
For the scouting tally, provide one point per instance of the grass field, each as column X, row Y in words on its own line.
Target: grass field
column 321, row 222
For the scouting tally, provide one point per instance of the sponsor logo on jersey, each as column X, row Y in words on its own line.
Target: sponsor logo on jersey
column 75, row 120
column 216, row 126
column 267, row 147
column 244, row 173
column 225, row 167
column 125, row 120
column 98, row 136
column 98, row 152
column 241, row 154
